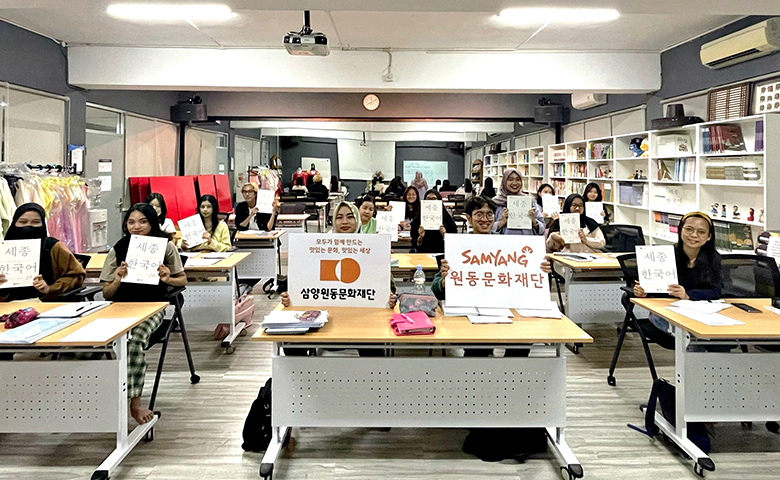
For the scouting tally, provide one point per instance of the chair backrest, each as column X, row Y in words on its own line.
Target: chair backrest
column 292, row 208
column 184, row 259
column 83, row 259
column 288, row 198
column 446, row 195
column 629, row 268
column 749, row 276
column 622, row 238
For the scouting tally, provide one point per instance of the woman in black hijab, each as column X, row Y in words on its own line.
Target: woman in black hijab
column 591, row 238
column 59, row 271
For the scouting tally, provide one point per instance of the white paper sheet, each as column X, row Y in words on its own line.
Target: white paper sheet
column 431, row 214
column 192, row 230
column 33, row 331
column 19, row 262
column 189, row 254
column 144, row 256
column 483, row 319
column 265, row 201
column 201, row 262
column 551, row 312
column 518, row 206
column 702, row 306
column 550, row 205
column 385, row 223
column 594, row 211
column 99, row 330
column 570, row 227
column 219, row 255
column 399, row 211
column 657, row 267
column 709, row 319
column 494, row 312
column 74, row 310
column 458, row 311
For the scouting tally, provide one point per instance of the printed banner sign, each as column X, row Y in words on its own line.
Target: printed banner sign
column 570, row 227
column 339, row 270
column 431, row 214
column 657, row 268
column 19, row 262
column 496, row 271
column 518, row 211
column 144, row 257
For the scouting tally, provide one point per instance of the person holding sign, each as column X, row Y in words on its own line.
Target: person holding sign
column 157, row 201
column 589, row 234
column 248, row 215
column 367, row 208
column 412, row 200
column 512, row 185
column 58, row 270
column 140, row 220
column 217, row 236
column 593, row 194
column 698, row 265
column 432, row 241
column 545, row 196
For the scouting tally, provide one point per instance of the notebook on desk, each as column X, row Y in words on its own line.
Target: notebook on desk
column 74, row 310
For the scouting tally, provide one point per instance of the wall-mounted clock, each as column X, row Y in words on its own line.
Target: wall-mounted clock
column 371, row 102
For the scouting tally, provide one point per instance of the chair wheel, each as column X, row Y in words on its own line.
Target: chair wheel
column 773, row 427
column 611, row 381
column 230, row 350
column 571, row 472
column 100, row 475
column 149, row 435
column 267, row 470
column 243, row 333
column 194, row 379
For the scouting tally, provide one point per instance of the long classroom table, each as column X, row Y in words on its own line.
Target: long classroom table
column 467, row 392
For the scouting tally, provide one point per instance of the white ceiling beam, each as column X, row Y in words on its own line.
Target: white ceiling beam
column 388, row 127
column 361, row 71
column 376, row 136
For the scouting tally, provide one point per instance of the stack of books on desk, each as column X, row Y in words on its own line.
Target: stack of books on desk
column 287, row 323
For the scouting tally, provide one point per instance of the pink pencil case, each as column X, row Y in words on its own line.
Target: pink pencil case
column 412, row 323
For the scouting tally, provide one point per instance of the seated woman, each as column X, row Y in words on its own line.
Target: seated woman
column 367, row 208
column 591, row 241
column 698, row 264
column 545, row 189
column 59, row 270
column 217, row 236
column 248, row 216
column 432, row 241
column 412, row 201
column 593, row 194
column 157, row 202
column 141, row 219
column 317, row 190
column 299, row 186
column 512, row 184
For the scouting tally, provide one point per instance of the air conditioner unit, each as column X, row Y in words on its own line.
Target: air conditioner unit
column 583, row 101
column 755, row 41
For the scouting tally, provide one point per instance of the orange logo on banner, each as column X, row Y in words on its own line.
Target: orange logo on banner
column 349, row 271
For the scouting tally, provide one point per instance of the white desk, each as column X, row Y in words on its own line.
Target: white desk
column 265, row 261
column 463, row 392
column 79, row 396
column 720, row 387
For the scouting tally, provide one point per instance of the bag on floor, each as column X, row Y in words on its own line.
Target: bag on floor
column 257, row 427
column 244, row 311
column 663, row 395
column 496, row 444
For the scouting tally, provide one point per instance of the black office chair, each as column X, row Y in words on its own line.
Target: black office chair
column 749, row 276
column 292, row 208
column 622, row 238
column 81, row 294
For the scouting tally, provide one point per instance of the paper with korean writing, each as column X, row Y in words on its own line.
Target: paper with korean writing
column 19, row 262
column 144, row 257
column 496, row 271
column 550, row 205
column 431, row 214
column 192, row 230
column 657, row 268
column 265, row 201
column 518, row 206
column 339, row 270
column 594, row 210
column 570, row 227
column 385, row 223
column 399, row 211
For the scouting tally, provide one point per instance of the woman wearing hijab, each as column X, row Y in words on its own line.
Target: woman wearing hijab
column 512, row 184
column 59, row 271
column 420, row 184
column 396, row 187
column 432, row 241
column 141, row 219
column 489, row 191
column 591, row 238
column 446, row 187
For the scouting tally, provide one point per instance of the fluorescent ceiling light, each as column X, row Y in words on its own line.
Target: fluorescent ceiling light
column 536, row 16
column 152, row 11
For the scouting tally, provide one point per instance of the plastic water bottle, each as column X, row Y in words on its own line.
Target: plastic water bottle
column 419, row 280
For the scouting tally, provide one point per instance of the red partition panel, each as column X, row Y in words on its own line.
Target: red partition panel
column 186, row 196
column 139, row 189
column 224, row 196
column 206, row 186
column 165, row 187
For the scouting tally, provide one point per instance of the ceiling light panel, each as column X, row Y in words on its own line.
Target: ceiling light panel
column 541, row 16
column 150, row 11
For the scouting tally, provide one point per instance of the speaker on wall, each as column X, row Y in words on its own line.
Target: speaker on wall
column 188, row 112
column 548, row 114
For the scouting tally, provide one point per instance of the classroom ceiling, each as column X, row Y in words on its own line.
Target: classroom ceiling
column 428, row 25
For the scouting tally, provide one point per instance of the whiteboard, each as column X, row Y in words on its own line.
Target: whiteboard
column 321, row 164
column 431, row 171
column 358, row 162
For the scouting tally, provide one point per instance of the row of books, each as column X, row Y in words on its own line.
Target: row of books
column 559, row 186
column 728, row 236
column 579, row 170
column 558, row 169
column 600, row 151
column 722, row 138
column 734, row 172
column 559, row 155
column 602, row 171
column 683, row 170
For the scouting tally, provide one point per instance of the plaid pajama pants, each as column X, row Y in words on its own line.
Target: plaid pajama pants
column 136, row 357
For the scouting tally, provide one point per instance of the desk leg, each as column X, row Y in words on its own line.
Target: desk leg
column 124, row 442
column 279, row 439
column 570, row 465
column 235, row 330
column 679, row 432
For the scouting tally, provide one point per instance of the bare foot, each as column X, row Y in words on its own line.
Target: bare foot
column 140, row 414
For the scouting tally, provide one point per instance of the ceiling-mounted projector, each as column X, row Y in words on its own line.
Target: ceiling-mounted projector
column 306, row 42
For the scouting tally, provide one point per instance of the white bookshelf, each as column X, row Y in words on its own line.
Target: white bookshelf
column 529, row 160
column 696, row 188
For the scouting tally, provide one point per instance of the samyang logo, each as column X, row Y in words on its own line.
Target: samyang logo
column 346, row 270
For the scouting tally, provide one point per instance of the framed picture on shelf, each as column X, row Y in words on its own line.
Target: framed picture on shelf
column 766, row 96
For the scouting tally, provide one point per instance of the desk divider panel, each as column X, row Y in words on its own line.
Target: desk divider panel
column 224, row 195
column 419, row 392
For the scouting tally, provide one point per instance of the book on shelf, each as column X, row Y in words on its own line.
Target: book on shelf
column 600, row 151
column 559, row 186
column 723, row 138
column 738, row 168
column 579, row 170
column 606, row 192
column 683, row 170
column 667, row 225
column 759, row 140
column 559, row 155
column 740, row 237
column 722, row 241
column 602, row 171
column 673, row 144
column 632, row 194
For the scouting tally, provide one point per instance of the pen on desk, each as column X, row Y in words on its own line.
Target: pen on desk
column 407, row 318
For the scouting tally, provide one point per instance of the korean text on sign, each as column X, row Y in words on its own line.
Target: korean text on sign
column 144, row 257
column 431, row 214
column 550, row 205
column 19, row 262
column 595, row 211
column 265, row 201
column 570, row 227
column 339, row 270
column 192, row 230
column 385, row 223
column 657, row 268
column 518, row 205
column 496, row 271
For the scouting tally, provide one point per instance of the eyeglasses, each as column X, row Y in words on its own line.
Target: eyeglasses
column 247, row 191
column 483, row 215
column 691, row 231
